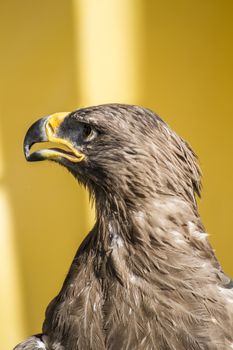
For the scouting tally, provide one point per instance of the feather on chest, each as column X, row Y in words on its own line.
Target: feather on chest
column 122, row 298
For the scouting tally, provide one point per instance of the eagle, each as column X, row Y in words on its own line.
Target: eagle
column 146, row 276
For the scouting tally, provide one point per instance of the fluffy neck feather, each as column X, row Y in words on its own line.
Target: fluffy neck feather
column 158, row 233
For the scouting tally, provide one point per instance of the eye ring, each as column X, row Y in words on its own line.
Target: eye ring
column 88, row 132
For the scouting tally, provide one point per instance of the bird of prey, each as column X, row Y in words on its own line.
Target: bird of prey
column 146, row 276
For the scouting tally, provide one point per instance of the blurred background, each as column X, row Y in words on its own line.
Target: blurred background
column 175, row 57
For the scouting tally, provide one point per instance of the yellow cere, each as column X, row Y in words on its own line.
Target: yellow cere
column 56, row 119
column 52, row 124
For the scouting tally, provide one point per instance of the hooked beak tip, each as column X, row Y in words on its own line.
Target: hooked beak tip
column 36, row 133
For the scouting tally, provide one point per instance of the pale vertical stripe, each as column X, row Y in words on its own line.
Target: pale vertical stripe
column 107, row 36
column 11, row 325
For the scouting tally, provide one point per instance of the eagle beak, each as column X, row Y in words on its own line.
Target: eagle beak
column 46, row 130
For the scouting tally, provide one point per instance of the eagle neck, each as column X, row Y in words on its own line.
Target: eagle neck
column 158, row 235
column 112, row 222
column 142, row 220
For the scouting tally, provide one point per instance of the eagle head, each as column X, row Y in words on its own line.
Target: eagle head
column 118, row 151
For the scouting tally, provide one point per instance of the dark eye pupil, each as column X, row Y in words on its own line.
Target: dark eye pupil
column 86, row 131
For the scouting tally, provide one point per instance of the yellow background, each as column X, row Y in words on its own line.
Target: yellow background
column 173, row 56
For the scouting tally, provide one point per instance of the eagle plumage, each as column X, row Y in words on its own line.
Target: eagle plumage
column 145, row 277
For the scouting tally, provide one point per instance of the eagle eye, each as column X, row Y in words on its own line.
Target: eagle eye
column 88, row 133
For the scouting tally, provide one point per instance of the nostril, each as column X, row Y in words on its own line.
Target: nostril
column 50, row 127
column 53, row 122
